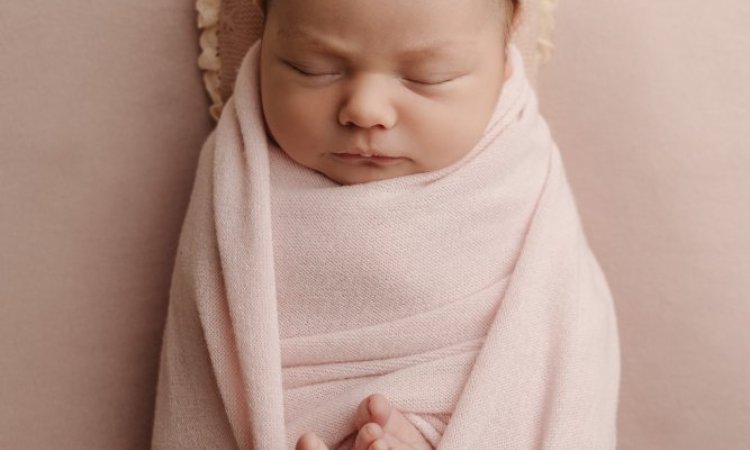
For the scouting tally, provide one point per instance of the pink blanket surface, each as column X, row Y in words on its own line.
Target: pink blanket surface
column 468, row 296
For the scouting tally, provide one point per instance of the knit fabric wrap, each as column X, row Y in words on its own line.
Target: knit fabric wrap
column 468, row 296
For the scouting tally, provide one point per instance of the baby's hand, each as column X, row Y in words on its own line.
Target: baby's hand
column 380, row 426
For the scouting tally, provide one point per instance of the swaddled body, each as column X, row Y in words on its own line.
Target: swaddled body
column 391, row 286
column 450, row 274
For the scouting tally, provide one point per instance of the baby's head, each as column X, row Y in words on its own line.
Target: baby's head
column 412, row 80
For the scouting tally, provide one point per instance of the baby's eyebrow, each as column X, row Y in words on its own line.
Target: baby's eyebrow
column 422, row 51
column 299, row 35
column 434, row 50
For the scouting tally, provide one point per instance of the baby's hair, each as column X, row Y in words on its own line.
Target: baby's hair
column 510, row 18
column 515, row 6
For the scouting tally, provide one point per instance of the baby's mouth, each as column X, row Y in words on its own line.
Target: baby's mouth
column 357, row 157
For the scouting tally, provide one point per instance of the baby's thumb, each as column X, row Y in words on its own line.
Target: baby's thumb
column 310, row 441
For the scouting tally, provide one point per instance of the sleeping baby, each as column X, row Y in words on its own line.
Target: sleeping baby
column 382, row 251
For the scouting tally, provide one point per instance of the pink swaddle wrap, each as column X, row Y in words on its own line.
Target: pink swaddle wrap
column 468, row 296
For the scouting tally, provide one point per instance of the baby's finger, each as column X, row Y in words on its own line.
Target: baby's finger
column 367, row 435
column 310, row 441
column 374, row 408
column 362, row 416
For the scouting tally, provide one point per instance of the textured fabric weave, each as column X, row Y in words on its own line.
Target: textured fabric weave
column 468, row 296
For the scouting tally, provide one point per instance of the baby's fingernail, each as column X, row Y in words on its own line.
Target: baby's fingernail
column 379, row 445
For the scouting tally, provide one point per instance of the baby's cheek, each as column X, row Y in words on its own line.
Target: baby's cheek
column 444, row 138
column 300, row 125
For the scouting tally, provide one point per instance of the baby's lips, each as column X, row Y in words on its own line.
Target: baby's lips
column 357, row 158
column 366, row 153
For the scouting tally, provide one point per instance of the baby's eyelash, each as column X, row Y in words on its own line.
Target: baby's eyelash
column 299, row 70
column 430, row 83
column 304, row 72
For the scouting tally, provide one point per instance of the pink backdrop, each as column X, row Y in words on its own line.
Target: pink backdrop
column 102, row 113
column 650, row 104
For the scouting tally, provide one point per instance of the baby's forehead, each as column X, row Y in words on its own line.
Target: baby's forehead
column 381, row 28
column 321, row 42
column 264, row 4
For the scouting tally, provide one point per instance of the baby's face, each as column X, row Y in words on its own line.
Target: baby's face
column 413, row 80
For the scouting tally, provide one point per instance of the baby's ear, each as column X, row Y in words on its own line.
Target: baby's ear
column 515, row 21
column 261, row 4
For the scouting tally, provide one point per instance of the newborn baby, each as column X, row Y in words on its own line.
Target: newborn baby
column 382, row 250
column 364, row 91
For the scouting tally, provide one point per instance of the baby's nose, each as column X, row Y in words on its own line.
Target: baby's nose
column 368, row 104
